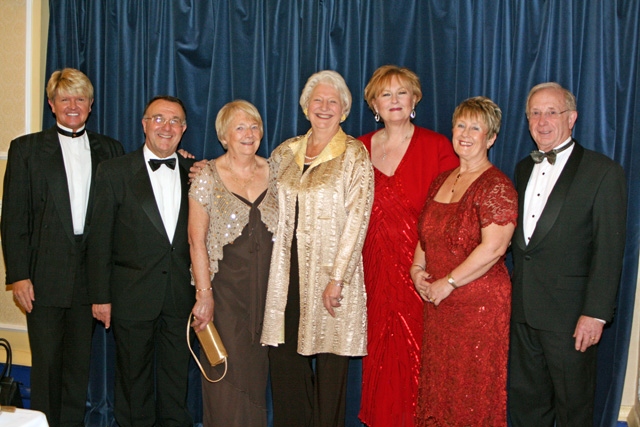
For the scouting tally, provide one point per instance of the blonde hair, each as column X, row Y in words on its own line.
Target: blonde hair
column 483, row 108
column 227, row 114
column 331, row 78
column 382, row 77
column 71, row 81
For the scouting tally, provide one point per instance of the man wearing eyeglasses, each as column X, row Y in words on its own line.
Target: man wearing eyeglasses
column 138, row 259
column 48, row 197
column 567, row 251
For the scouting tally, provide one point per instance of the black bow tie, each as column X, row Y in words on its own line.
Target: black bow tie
column 70, row 134
column 538, row 156
column 156, row 163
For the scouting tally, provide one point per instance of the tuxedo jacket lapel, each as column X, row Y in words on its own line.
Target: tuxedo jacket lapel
column 522, row 179
column 141, row 187
column 53, row 168
column 98, row 154
column 557, row 197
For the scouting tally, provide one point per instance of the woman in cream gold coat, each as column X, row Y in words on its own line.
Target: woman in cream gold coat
column 316, row 300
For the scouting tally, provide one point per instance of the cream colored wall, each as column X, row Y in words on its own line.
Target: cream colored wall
column 23, row 31
column 630, row 407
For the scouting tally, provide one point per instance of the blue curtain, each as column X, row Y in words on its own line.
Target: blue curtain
column 209, row 52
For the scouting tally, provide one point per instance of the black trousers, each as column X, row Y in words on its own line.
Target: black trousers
column 60, row 340
column 152, row 364
column 302, row 396
column 550, row 382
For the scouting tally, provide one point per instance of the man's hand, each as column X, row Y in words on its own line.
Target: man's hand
column 23, row 294
column 102, row 312
column 196, row 168
column 184, row 153
column 588, row 332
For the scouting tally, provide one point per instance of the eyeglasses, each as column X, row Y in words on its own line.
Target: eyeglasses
column 159, row 120
column 548, row 115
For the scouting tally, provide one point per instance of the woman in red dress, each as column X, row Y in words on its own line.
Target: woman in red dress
column 465, row 228
column 406, row 158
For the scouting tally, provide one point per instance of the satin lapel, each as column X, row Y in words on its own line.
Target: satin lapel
column 522, row 179
column 183, row 216
column 98, row 154
column 557, row 197
column 141, row 187
column 53, row 168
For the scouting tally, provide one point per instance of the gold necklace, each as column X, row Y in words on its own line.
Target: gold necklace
column 474, row 170
column 243, row 183
column 384, row 151
column 454, row 183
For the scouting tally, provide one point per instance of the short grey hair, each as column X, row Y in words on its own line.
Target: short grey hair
column 569, row 98
column 331, row 78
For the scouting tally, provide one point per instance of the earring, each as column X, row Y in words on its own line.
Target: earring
column 343, row 118
column 377, row 117
column 305, row 111
column 413, row 113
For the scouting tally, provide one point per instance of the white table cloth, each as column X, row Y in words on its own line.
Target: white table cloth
column 23, row 418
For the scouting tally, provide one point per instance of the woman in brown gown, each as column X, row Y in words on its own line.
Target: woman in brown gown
column 232, row 213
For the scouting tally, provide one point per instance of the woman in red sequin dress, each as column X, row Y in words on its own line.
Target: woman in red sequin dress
column 406, row 159
column 465, row 228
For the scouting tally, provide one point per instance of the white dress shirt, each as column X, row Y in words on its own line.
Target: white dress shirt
column 77, row 164
column 166, row 190
column 541, row 182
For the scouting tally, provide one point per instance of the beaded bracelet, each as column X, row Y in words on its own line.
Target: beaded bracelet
column 204, row 289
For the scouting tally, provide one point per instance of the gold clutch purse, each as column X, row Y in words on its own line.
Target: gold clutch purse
column 212, row 346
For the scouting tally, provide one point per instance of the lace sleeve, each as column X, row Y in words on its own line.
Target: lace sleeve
column 498, row 201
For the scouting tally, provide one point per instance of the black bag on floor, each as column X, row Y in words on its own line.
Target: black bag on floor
column 9, row 389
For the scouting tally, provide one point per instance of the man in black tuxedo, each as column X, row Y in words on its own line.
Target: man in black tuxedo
column 567, row 251
column 138, row 259
column 48, row 198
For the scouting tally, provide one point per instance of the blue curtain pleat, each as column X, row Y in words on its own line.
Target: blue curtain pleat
column 209, row 52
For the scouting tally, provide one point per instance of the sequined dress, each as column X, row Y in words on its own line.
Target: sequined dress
column 394, row 309
column 239, row 292
column 466, row 338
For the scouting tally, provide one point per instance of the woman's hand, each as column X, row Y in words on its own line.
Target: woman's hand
column 332, row 296
column 202, row 310
column 437, row 291
column 420, row 280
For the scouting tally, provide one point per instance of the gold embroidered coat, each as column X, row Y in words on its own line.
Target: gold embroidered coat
column 335, row 195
